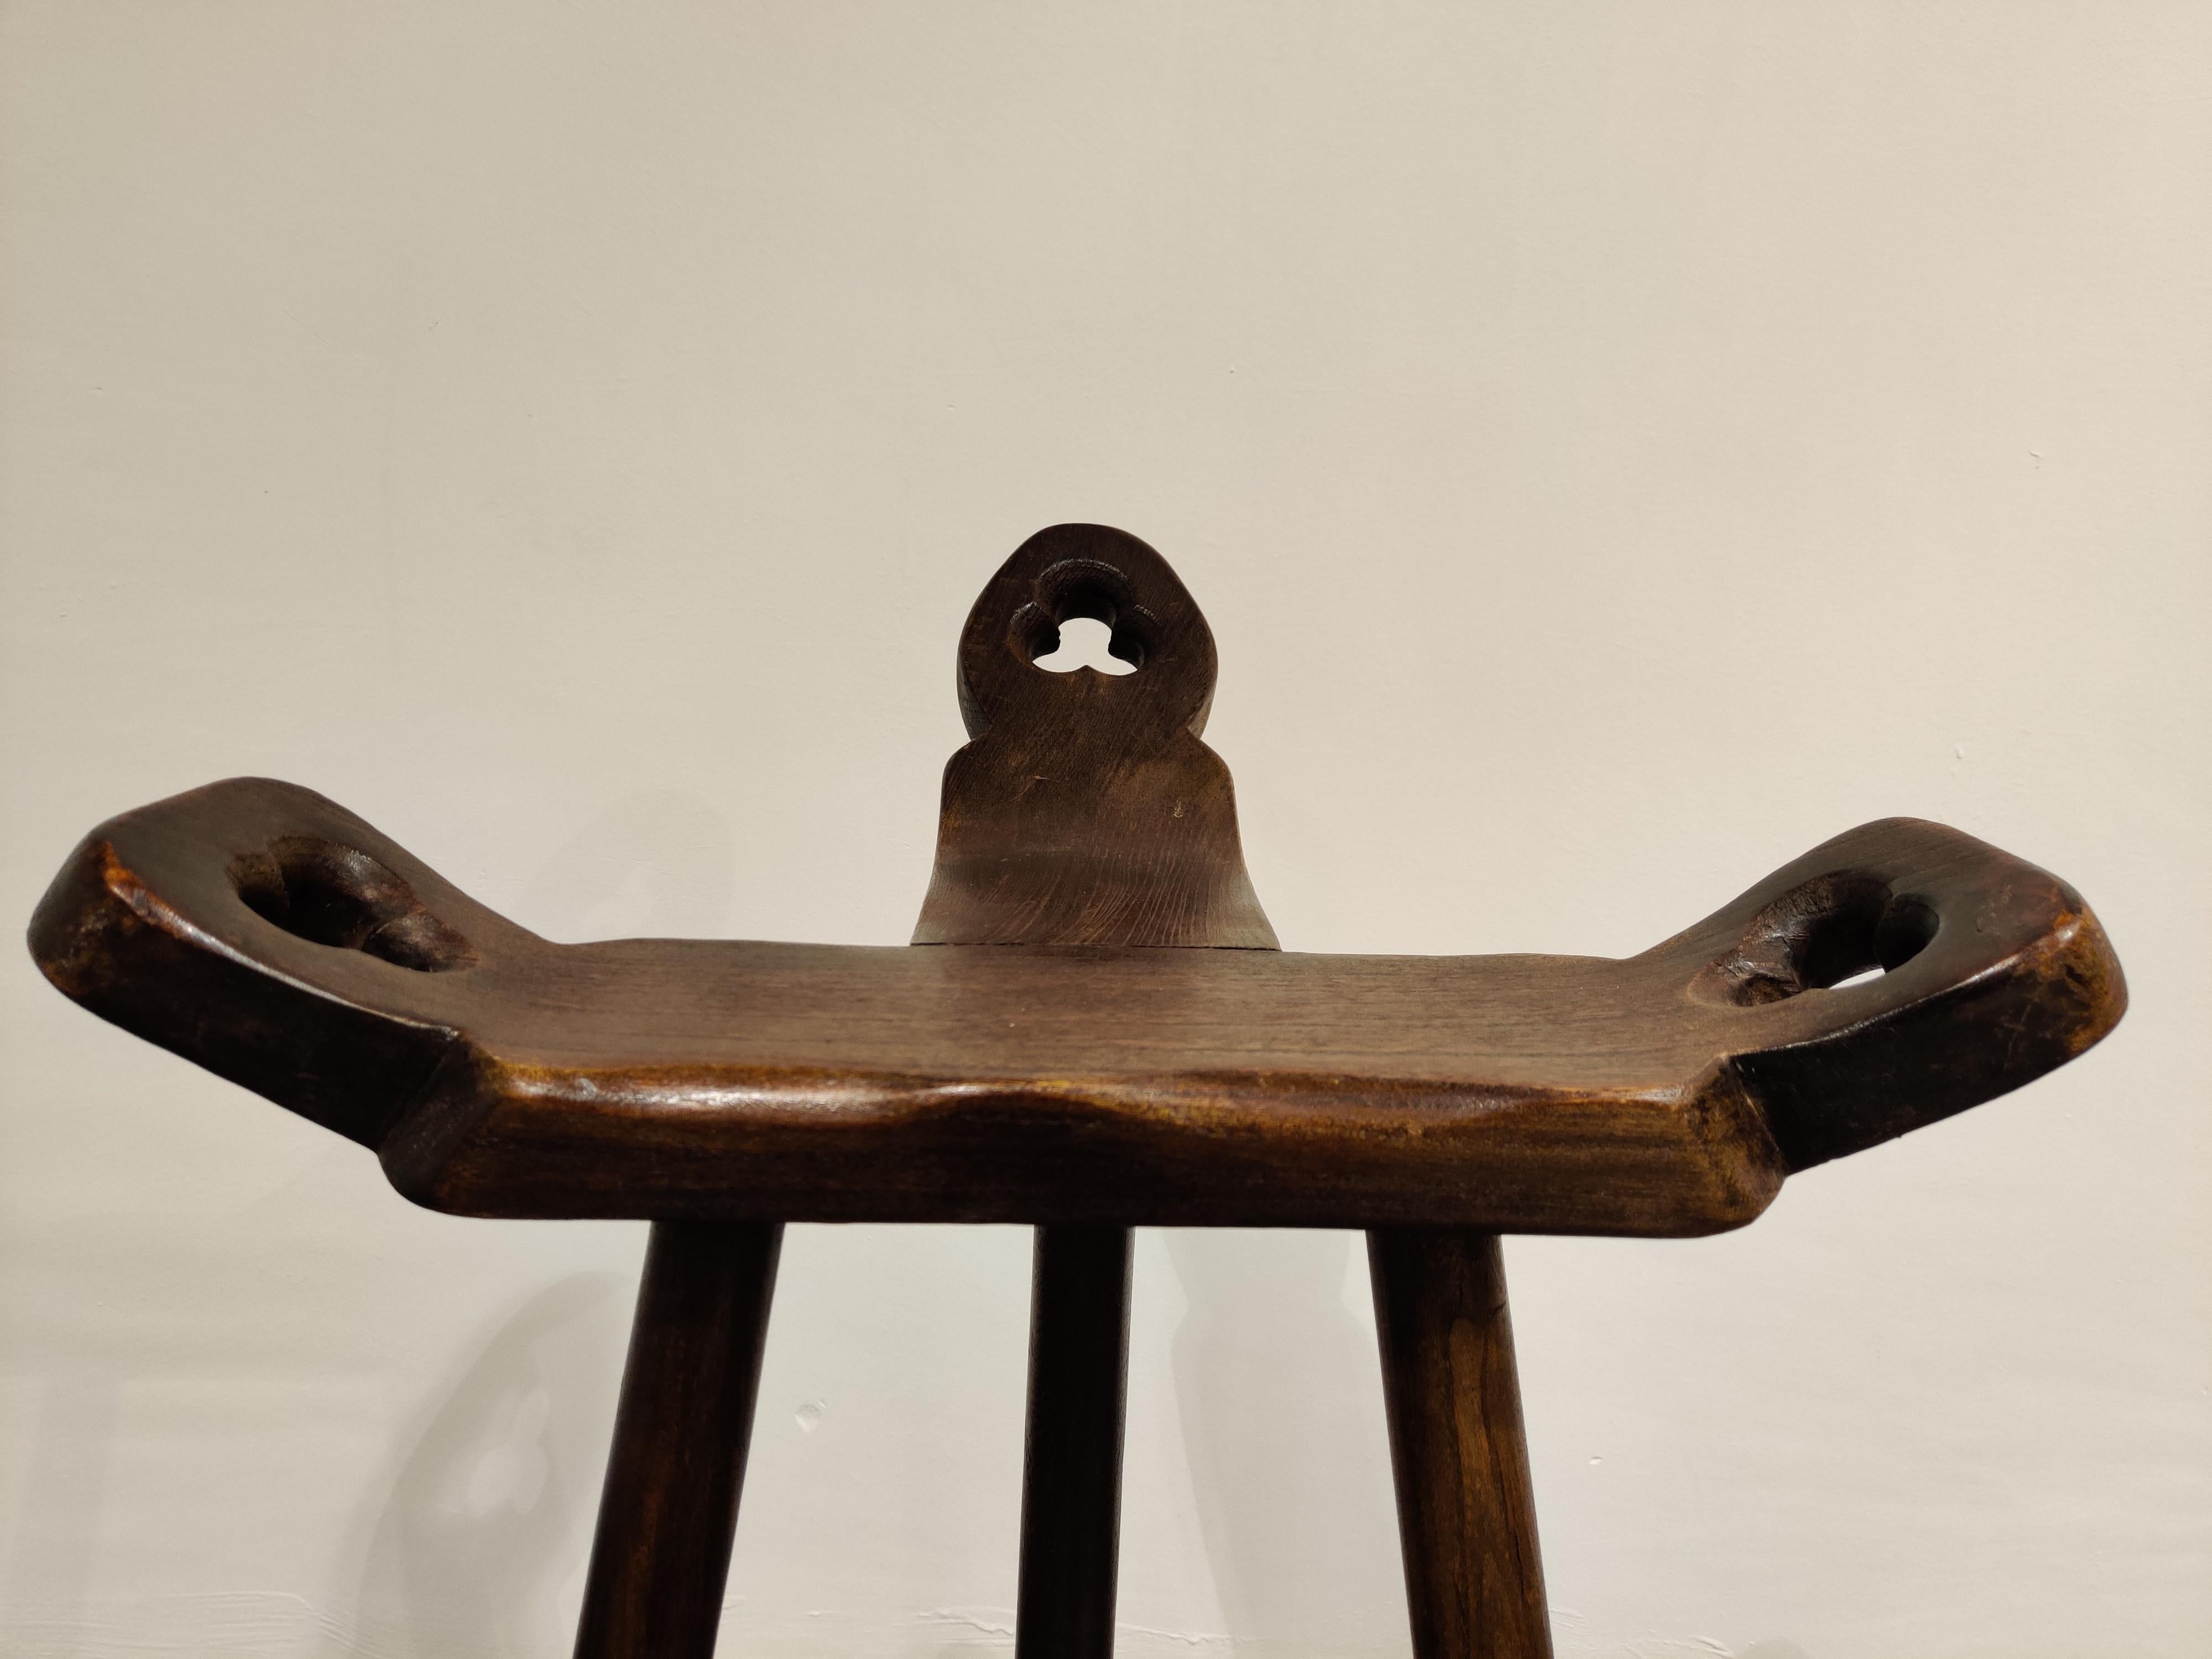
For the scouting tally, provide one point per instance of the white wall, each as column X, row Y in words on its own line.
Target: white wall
column 1618, row 446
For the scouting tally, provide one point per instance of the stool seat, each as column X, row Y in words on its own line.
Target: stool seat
column 265, row 932
column 1093, row 1030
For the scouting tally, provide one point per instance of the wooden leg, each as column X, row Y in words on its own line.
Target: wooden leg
column 1467, row 1521
column 669, row 1511
column 1071, row 1470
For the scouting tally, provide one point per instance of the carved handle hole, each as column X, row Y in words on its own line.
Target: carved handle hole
column 1830, row 933
column 331, row 894
column 1050, row 632
column 1083, row 643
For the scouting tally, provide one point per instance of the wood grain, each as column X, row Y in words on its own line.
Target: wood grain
column 1071, row 1448
column 669, row 1511
column 1466, row 1515
column 1085, row 810
column 1100, row 1034
column 1665, row 1094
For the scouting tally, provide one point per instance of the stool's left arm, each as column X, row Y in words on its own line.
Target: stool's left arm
column 206, row 923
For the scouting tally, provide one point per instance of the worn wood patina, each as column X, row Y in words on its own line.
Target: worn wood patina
column 1093, row 1030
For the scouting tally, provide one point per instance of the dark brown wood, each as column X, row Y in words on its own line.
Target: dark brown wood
column 1057, row 1057
column 1466, row 1517
column 1085, row 810
column 1072, row 1458
column 669, row 1511
column 1666, row 1094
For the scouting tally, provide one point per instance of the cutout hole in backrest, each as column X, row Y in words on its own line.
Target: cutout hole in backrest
column 1830, row 933
column 1079, row 590
column 1084, row 643
column 331, row 894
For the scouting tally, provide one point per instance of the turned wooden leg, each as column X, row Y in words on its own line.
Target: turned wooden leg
column 669, row 1511
column 1467, row 1521
column 1071, row 1468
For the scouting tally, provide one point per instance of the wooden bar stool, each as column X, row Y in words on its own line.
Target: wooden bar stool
column 1093, row 1030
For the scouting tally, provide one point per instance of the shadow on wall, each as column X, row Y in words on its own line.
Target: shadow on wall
column 480, row 1548
column 1281, row 1392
